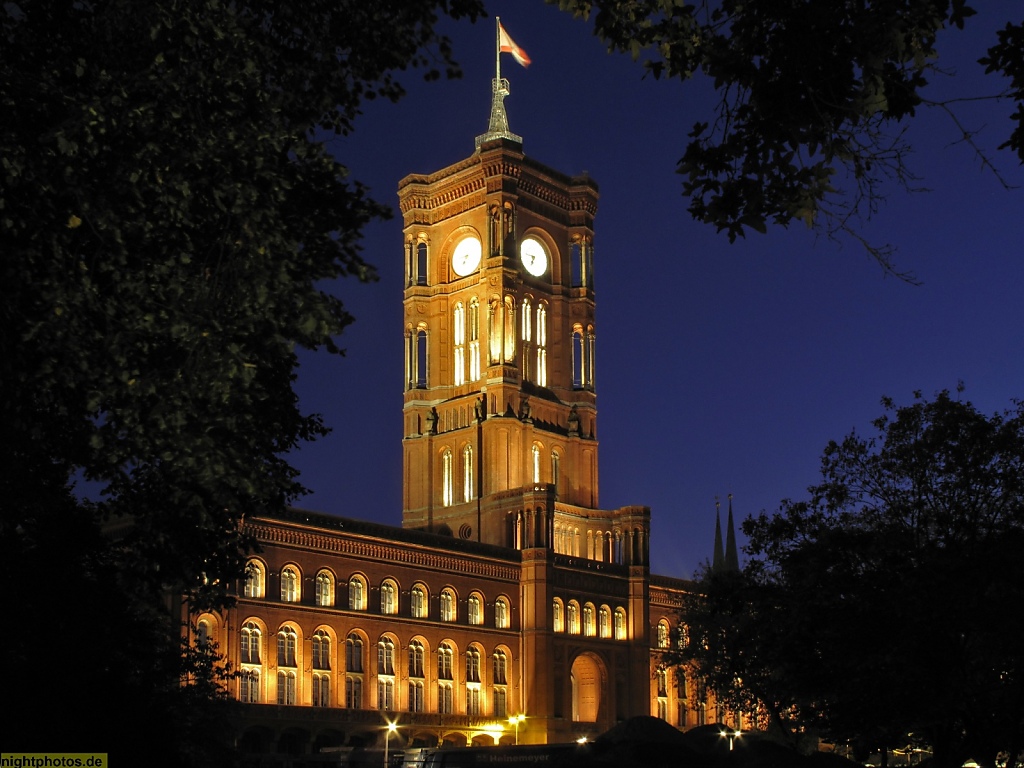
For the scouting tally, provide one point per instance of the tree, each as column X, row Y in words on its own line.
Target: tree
column 813, row 99
column 169, row 221
column 887, row 603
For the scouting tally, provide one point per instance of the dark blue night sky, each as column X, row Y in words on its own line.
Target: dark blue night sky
column 722, row 368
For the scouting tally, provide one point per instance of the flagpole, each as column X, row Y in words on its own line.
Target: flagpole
column 497, row 50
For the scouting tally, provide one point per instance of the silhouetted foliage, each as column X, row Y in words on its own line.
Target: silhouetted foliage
column 890, row 601
column 813, row 99
column 169, row 218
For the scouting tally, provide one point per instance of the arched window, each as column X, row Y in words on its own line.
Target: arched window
column 535, row 454
column 500, row 703
column 356, row 594
column 589, row 620
column 286, row 687
column 604, row 621
column 527, row 321
column 416, row 357
column 500, row 667
column 321, row 689
column 620, row 623
column 445, row 662
column 541, row 375
column 249, row 686
column 578, row 367
column 388, row 598
column 572, row 617
column 204, row 633
column 416, row 656
column 418, row 602
column 289, row 585
column 386, row 693
column 526, row 334
column 475, row 609
column 447, row 483
column 325, row 588
column 663, row 634
column 445, row 699
column 473, row 331
column 448, row 607
column 321, row 647
column 354, row 653
column 468, row 490
column 473, row 664
column 556, row 469
column 557, row 616
column 250, row 637
column 510, row 330
column 495, row 323
column 459, row 343
column 421, row 263
column 385, row 656
column 253, row 579
column 286, row 642
column 501, row 613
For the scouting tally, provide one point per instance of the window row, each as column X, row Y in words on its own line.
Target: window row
column 445, row 667
column 389, row 594
column 589, row 620
column 466, row 472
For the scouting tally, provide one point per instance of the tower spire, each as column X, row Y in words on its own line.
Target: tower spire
column 497, row 127
column 718, row 561
column 732, row 560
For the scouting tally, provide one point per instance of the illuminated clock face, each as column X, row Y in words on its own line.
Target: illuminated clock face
column 466, row 257
column 534, row 256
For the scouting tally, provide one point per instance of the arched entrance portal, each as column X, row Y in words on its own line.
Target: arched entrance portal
column 587, row 688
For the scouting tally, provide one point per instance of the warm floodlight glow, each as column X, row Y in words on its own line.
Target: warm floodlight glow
column 516, row 720
column 581, row 740
column 392, row 728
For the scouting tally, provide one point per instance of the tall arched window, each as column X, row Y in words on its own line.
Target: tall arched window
column 286, row 642
column 253, row 579
column 473, row 664
column 448, row 612
column 289, row 585
column 620, row 623
column 385, row 656
column 447, row 481
column 416, row 656
column 604, row 621
column 589, row 620
column 557, row 615
column 356, row 594
column 421, row 263
column 325, row 588
column 510, row 330
column 389, row 597
column 500, row 670
column 418, row 602
column 501, row 613
column 541, row 375
column 250, row 637
column 459, row 343
column 321, row 648
column 535, row 456
column 468, row 489
column 475, row 609
column 249, row 686
column 473, row 331
column 286, row 687
column 495, row 324
column 579, row 380
column 572, row 617
column 526, row 333
column 663, row 634
column 354, row 653
column 321, row 689
column 445, row 662
column 556, row 469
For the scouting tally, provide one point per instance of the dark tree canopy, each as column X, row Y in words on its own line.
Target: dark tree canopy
column 890, row 601
column 169, row 220
column 813, row 98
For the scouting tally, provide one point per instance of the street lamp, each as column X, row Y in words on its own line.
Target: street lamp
column 731, row 736
column 392, row 727
column 516, row 720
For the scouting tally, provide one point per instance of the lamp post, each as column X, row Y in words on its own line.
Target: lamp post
column 392, row 727
column 516, row 720
column 731, row 736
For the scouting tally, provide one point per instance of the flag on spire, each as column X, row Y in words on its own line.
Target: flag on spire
column 507, row 45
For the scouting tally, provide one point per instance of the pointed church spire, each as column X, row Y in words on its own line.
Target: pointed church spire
column 732, row 560
column 497, row 127
column 718, row 561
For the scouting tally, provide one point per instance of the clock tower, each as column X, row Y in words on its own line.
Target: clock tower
column 500, row 417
